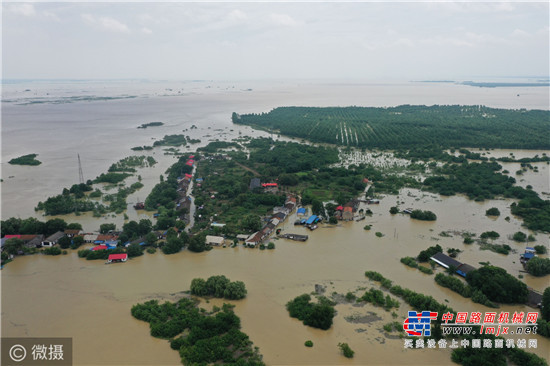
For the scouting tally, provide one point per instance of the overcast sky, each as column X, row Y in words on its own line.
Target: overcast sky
column 270, row 40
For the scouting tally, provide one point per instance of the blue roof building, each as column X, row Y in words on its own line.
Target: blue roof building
column 312, row 219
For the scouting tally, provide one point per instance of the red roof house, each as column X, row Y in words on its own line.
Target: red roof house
column 122, row 257
column 100, row 247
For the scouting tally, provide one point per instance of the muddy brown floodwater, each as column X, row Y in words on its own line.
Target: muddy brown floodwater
column 90, row 301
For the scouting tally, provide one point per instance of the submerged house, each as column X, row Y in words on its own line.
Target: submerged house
column 53, row 239
column 122, row 257
column 214, row 240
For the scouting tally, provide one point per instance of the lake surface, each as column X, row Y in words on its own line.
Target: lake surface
column 67, row 296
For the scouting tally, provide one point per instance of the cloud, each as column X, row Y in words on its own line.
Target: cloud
column 237, row 15
column 519, row 33
column 50, row 15
column 146, row 30
column 106, row 23
column 23, row 9
column 284, row 20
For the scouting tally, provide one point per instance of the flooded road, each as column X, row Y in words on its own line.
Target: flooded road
column 89, row 301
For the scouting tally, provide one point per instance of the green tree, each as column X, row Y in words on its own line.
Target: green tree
column 74, row 226
column 197, row 243
column 394, row 210
column 216, row 285
column 134, row 250
column 333, row 220
column 64, row 242
column 13, row 245
column 235, row 291
column 346, row 350
column 498, row 285
column 520, row 237
column 32, row 226
column 173, row 245
column 198, row 287
column 150, row 238
column 77, row 241
column 493, row 211
column 54, row 225
column 317, row 207
column 538, row 266
column 105, row 228
column 251, row 223
column 144, row 227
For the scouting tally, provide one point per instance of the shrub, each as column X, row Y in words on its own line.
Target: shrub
column 519, row 236
column 52, row 251
column 423, row 215
column 540, row 249
column 308, row 344
column 425, row 255
column 311, row 314
column 346, row 350
column 490, row 235
column 493, row 211
column 394, row 210
column 379, row 234
column 468, row 240
column 271, row 245
column 366, row 227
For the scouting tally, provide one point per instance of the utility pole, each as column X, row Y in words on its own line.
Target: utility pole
column 80, row 174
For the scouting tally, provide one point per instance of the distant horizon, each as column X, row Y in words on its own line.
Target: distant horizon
column 542, row 79
column 274, row 40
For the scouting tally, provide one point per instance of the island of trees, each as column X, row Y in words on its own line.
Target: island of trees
column 316, row 315
column 200, row 337
column 29, row 159
column 151, row 124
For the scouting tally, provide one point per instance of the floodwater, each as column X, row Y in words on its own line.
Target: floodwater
column 67, row 296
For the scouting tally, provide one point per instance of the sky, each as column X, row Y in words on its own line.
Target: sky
column 274, row 40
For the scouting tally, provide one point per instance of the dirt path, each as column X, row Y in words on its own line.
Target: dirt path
column 249, row 169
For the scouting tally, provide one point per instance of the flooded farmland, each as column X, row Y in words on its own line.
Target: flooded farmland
column 67, row 296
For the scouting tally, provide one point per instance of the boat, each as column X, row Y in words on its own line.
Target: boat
column 312, row 227
column 408, row 211
column 360, row 218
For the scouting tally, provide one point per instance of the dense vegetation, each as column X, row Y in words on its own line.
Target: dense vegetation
column 218, row 286
column 493, row 211
column 466, row 356
column 481, row 181
column 314, row 315
column 465, row 290
column 376, row 297
column 408, row 126
column 538, row 266
column 425, row 255
column 200, row 337
column 411, row 262
column 498, row 285
column 31, row 225
column 28, row 159
column 130, row 163
column 423, row 215
column 346, row 350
